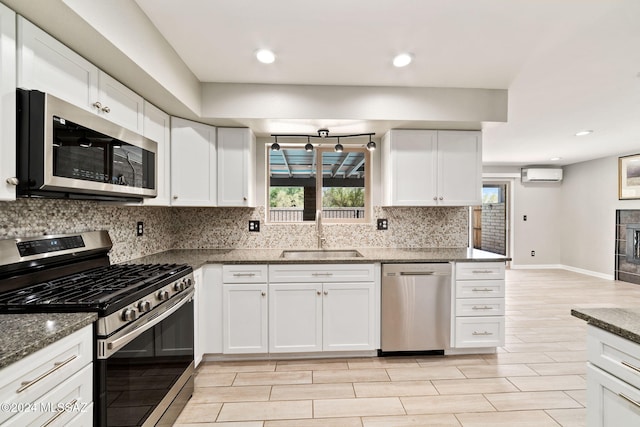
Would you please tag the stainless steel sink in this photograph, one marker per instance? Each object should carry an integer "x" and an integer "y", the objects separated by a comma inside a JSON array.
[{"x": 321, "y": 254}]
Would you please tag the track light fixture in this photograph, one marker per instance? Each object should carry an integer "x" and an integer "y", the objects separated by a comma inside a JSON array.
[{"x": 323, "y": 134}]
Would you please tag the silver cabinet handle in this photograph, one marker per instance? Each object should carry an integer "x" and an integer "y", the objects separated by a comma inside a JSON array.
[
  {"x": 435, "y": 198},
  {"x": 98, "y": 105},
  {"x": 59, "y": 413},
  {"x": 482, "y": 290},
  {"x": 482, "y": 333},
  {"x": 175, "y": 197},
  {"x": 319, "y": 293},
  {"x": 106, "y": 110},
  {"x": 441, "y": 198},
  {"x": 486, "y": 307},
  {"x": 244, "y": 274},
  {"x": 57, "y": 365},
  {"x": 326, "y": 292},
  {"x": 264, "y": 294},
  {"x": 417, "y": 273},
  {"x": 13, "y": 181},
  {"x": 482, "y": 271},
  {"x": 321, "y": 274},
  {"x": 630, "y": 400},
  {"x": 630, "y": 366}
]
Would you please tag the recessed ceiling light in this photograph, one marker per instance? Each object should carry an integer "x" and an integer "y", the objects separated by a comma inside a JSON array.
[
  {"x": 402, "y": 60},
  {"x": 265, "y": 56},
  {"x": 584, "y": 132},
  {"x": 555, "y": 159}
]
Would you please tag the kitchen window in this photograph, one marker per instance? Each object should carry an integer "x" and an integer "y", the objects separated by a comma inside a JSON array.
[{"x": 303, "y": 182}]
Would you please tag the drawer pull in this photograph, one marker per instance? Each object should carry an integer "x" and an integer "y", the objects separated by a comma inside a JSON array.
[
  {"x": 321, "y": 274},
  {"x": 57, "y": 365},
  {"x": 482, "y": 271},
  {"x": 482, "y": 290},
  {"x": 482, "y": 333},
  {"x": 486, "y": 307},
  {"x": 630, "y": 400},
  {"x": 630, "y": 366},
  {"x": 59, "y": 413},
  {"x": 244, "y": 274}
]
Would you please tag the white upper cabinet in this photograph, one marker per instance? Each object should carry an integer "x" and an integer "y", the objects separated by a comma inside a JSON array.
[
  {"x": 193, "y": 163},
  {"x": 432, "y": 168},
  {"x": 7, "y": 103},
  {"x": 47, "y": 65},
  {"x": 236, "y": 167},
  {"x": 157, "y": 127}
]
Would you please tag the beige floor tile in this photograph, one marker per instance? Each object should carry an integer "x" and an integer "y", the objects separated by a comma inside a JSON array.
[
  {"x": 496, "y": 371},
  {"x": 330, "y": 408},
  {"x": 516, "y": 358},
  {"x": 427, "y": 373},
  {"x": 395, "y": 388},
  {"x": 249, "y": 366},
  {"x": 556, "y": 382},
  {"x": 438, "y": 420},
  {"x": 384, "y": 362},
  {"x": 507, "y": 419},
  {"x": 568, "y": 356},
  {"x": 268, "y": 378},
  {"x": 451, "y": 361},
  {"x": 349, "y": 376},
  {"x": 446, "y": 404},
  {"x": 522, "y": 401},
  {"x": 231, "y": 424},
  {"x": 214, "y": 380},
  {"x": 199, "y": 413},
  {"x": 560, "y": 368},
  {"x": 534, "y": 347},
  {"x": 474, "y": 385},
  {"x": 256, "y": 411},
  {"x": 230, "y": 394},
  {"x": 312, "y": 391},
  {"x": 311, "y": 366},
  {"x": 569, "y": 417},
  {"x": 317, "y": 422},
  {"x": 579, "y": 396}
]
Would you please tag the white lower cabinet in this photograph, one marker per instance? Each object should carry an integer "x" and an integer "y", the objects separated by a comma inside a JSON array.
[
  {"x": 479, "y": 305},
  {"x": 312, "y": 308},
  {"x": 209, "y": 309},
  {"x": 244, "y": 323},
  {"x": 61, "y": 373},
  {"x": 613, "y": 380}
]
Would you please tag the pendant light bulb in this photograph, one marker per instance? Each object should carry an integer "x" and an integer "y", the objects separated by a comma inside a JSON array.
[
  {"x": 338, "y": 148},
  {"x": 275, "y": 146},
  {"x": 371, "y": 146},
  {"x": 308, "y": 147}
]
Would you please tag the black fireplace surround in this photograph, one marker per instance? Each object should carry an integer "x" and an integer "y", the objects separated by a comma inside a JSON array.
[{"x": 627, "y": 266}]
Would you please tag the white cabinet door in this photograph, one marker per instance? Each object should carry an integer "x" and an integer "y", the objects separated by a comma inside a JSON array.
[
  {"x": 197, "y": 314},
  {"x": 7, "y": 102},
  {"x": 236, "y": 167},
  {"x": 244, "y": 322},
  {"x": 459, "y": 168},
  {"x": 409, "y": 163},
  {"x": 193, "y": 163},
  {"x": 295, "y": 317},
  {"x": 210, "y": 306},
  {"x": 120, "y": 104},
  {"x": 611, "y": 402},
  {"x": 47, "y": 65},
  {"x": 157, "y": 127},
  {"x": 348, "y": 316}
]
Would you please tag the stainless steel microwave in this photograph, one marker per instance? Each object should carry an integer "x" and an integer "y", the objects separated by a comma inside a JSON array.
[{"x": 64, "y": 151}]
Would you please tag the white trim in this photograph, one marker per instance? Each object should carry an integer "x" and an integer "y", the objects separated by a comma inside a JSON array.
[
  {"x": 562, "y": 267},
  {"x": 491, "y": 175}
]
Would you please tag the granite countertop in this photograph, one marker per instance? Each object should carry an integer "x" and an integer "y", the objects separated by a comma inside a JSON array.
[
  {"x": 23, "y": 334},
  {"x": 624, "y": 322},
  {"x": 199, "y": 257}
]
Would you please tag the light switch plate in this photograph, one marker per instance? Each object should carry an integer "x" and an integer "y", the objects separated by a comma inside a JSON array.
[
  {"x": 383, "y": 224},
  {"x": 254, "y": 225}
]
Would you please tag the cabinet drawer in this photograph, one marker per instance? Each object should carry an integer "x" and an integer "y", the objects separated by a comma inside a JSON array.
[
  {"x": 614, "y": 354},
  {"x": 480, "y": 289},
  {"x": 611, "y": 402},
  {"x": 30, "y": 378},
  {"x": 479, "y": 331},
  {"x": 479, "y": 270},
  {"x": 244, "y": 273},
  {"x": 65, "y": 405},
  {"x": 324, "y": 273},
  {"x": 480, "y": 307}
]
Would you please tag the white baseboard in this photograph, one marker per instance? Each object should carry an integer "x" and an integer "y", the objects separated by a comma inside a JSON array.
[{"x": 562, "y": 267}]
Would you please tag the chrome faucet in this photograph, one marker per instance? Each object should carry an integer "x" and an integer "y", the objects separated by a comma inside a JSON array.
[{"x": 321, "y": 239}]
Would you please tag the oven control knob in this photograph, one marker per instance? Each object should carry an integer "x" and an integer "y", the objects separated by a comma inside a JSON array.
[
  {"x": 128, "y": 314},
  {"x": 163, "y": 295},
  {"x": 144, "y": 306},
  {"x": 178, "y": 286},
  {"x": 188, "y": 282}
]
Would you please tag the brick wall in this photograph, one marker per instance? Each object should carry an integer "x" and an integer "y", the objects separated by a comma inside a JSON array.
[{"x": 493, "y": 228}]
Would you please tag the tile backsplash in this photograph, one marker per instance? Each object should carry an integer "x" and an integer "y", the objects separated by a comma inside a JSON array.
[{"x": 193, "y": 228}]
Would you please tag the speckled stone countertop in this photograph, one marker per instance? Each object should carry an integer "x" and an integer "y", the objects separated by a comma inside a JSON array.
[
  {"x": 624, "y": 322},
  {"x": 198, "y": 257},
  {"x": 23, "y": 334}
]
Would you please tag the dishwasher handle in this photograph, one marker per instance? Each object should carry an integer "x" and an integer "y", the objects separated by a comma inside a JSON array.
[{"x": 417, "y": 273}]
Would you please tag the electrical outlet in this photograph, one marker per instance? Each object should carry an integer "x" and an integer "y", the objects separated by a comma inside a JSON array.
[
  {"x": 383, "y": 224},
  {"x": 533, "y": 253},
  {"x": 254, "y": 225},
  {"x": 524, "y": 217},
  {"x": 139, "y": 228}
]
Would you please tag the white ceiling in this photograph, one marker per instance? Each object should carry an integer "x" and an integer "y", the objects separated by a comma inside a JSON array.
[{"x": 569, "y": 65}]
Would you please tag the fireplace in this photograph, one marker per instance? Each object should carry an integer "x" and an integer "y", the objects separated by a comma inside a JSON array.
[{"x": 627, "y": 266}]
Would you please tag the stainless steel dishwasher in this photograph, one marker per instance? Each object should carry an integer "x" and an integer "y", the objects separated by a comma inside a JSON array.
[{"x": 416, "y": 308}]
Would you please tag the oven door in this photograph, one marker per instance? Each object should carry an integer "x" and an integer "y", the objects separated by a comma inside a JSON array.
[{"x": 144, "y": 373}]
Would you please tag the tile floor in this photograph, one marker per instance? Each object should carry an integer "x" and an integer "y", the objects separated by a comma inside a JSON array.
[{"x": 537, "y": 379}]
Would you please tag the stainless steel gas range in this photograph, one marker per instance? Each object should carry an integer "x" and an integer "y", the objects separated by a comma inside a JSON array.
[{"x": 144, "y": 334}]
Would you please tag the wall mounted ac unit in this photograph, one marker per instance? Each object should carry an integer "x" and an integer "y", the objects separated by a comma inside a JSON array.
[{"x": 541, "y": 175}]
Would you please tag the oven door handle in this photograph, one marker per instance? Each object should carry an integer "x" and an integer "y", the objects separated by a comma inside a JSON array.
[{"x": 113, "y": 346}]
